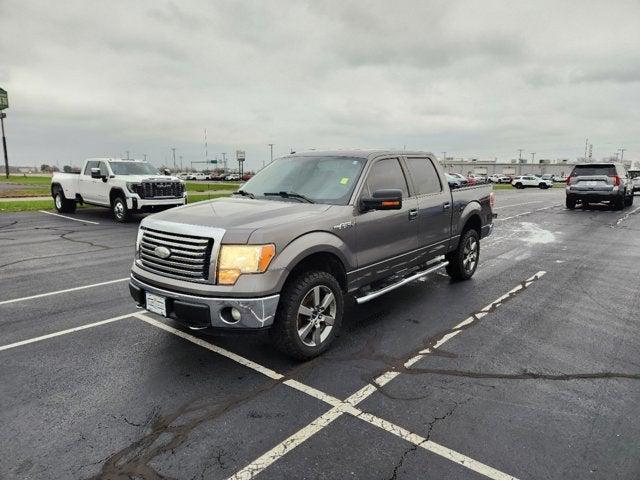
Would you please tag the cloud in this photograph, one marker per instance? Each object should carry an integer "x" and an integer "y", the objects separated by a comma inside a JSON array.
[{"x": 472, "y": 78}]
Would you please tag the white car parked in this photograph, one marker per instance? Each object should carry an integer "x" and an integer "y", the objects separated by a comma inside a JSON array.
[
  {"x": 495, "y": 178},
  {"x": 524, "y": 181}
]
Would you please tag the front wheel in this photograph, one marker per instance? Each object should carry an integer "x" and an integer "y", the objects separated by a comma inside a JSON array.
[
  {"x": 120, "y": 210},
  {"x": 463, "y": 261},
  {"x": 571, "y": 203},
  {"x": 309, "y": 315}
]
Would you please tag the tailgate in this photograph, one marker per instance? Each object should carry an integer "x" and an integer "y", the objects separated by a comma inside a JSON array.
[{"x": 598, "y": 183}]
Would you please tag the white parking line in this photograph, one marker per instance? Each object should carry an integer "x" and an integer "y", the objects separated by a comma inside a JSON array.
[
  {"x": 64, "y": 332},
  {"x": 349, "y": 405},
  {"x": 57, "y": 292},
  {"x": 69, "y": 218},
  {"x": 623, "y": 218},
  {"x": 339, "y": 408},
  {"x": 220, "y": 351},
  {"x": 514, "y": 216}
]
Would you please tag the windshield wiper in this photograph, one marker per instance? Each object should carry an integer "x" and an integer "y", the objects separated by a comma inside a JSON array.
[
  {"x": 244, "y": 193},
  {"x": 295, "y": 195}
]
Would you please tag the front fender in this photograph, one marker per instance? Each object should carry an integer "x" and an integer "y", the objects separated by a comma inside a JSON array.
[{"x": 308, "y": 244}]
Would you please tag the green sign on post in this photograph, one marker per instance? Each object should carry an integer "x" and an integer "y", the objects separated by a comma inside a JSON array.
[
  {"x": 4, "y": 99},
  {"x": 213, "y": 161}
]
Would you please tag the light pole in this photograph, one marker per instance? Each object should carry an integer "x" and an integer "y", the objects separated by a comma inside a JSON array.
[
  {"x": 621, "y": 153},
  {"x": 271, "y": 153},
  {"x": 520, "y": 155},
  {"x": 145, "y": 156},
  {"x": 4, "y": 103},
  {"x": 444, "y": 157},
  {"x": 127, "y": 154},
  {"x": 4, "y": 145},
  {"x": 180, "y": 162},
  {"x": 173, "y": 149},
  {"x": 533, "y": 156}
]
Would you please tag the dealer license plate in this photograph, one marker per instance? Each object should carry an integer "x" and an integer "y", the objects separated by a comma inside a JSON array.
[{"x": 156, "y": 304}]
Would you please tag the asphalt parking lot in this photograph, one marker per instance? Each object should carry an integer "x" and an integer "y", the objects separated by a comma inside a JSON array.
[{"x": 529, "y": 370}]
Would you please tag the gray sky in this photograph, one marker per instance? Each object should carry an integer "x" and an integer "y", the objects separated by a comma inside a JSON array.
[{"x": 474, "y": 78}]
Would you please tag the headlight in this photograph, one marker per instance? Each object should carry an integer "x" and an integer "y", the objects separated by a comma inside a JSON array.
[
  {"x": 133, "y": 187},
  {"x": 235, "y": 260},
  {"x": 138, "y": 241}
]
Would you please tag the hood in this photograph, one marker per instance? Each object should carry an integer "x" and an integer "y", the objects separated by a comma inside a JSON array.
[
  {"x": 243, "y": 214},
  {"x": 140, "y": 178}
]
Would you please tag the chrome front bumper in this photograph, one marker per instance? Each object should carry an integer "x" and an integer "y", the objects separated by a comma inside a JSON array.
[{"x": 198, "y": 312}]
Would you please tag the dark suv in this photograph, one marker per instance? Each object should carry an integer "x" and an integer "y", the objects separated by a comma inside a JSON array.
[{"x": 599, "y": 182}]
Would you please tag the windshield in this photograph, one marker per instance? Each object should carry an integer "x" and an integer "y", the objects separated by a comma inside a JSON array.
[
  {"x": 133, "y": 168},
  {"x": 327, "y": 180},
  {"x": 634, "y": 173}
]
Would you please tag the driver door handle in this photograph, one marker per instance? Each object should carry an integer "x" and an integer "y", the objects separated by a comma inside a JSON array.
[
  {"x": 446, "y": 205},
  {"x": 413, "y": 214}
]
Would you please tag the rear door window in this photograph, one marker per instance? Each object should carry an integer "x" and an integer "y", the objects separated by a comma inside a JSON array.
[
  {"x": 591, "y": 170},
  {"x": 424, "y": 174}
]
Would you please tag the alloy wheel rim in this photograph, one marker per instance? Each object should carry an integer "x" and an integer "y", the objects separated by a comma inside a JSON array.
[
  {"x": 58, "y": 201},
  {"x": 470, "y": 254},
  {"x": 316, "y": 315},
  {"x": 118, "y": 209}
]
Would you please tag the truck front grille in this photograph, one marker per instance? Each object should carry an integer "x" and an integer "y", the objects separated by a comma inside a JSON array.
[
  {"x": 189, "y": 256},
  {"x": 161, "y": 190}
]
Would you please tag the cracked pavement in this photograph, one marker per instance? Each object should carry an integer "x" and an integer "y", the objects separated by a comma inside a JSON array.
[{"x": 545, "y": 386}]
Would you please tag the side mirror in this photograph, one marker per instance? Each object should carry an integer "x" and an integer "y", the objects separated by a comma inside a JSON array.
[
  {"x": 453, "y": 185},
  {"x": 95, "y": 173},
  {"x": 382, "y": 200},
  {"x": 166, "y": 171}
]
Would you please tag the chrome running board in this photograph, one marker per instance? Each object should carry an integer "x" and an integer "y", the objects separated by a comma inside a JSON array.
[{"x": 404, "y": 281}]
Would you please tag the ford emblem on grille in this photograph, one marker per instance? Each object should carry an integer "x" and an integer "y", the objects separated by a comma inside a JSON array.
[{"x": 162, "y": 252}]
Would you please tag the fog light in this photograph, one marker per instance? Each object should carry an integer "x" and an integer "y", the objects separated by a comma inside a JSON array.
[{"x": 235, "y": 314}]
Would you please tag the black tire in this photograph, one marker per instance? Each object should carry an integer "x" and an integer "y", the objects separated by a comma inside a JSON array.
[
  {"x": 120, "y": 211},
  {"x": 543, "y": 186},
  {"x": 570, "y": 203},
  {"x": 62, "y": 204},
  {"x": 519, "y": 185},
  {"x": 619, "y": 202},
  {"x": 629, "y": 200},
  {"x": 461, "y": 266},
  {"x": 285, "y": 332}
]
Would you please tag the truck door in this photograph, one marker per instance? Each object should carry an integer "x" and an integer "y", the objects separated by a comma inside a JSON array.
[
  {"x": 86, "y": 184},
  {"x": 386, "y": 239},
  {"x": 102, "y": 188},
  {"x": 434, "y": 207}
]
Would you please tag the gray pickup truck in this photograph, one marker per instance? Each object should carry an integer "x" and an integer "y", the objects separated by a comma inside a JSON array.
[{"x": 301, "y": 235}]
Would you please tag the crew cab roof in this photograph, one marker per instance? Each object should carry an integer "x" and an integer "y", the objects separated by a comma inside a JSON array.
[{"x": 355, "y": 153}]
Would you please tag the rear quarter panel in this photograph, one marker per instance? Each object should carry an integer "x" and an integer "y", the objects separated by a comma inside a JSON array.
[
  {"x": 466, "y": 202},
  {"x": 68, "y": 182}
]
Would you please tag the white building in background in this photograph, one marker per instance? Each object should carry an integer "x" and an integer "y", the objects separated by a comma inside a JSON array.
[{"x": 557, "y": 166}]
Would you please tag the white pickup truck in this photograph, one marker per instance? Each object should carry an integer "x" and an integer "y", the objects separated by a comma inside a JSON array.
[{"x": 124, "y": 186}]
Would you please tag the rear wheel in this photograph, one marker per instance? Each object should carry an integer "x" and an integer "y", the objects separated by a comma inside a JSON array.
[
  {"x": 464, "y": 260},
  {"x": 619, "y": 202},
  {"x": 629, "y": 200},
  {"x": 543, "y": 186},
  {"x": 120, "y": 210},
  {"x": 571, "y": 203},
  {"x": 309, "y": 315},
  {"x": 519, "y": 185},
  {"x": 62, "y": 204}
]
